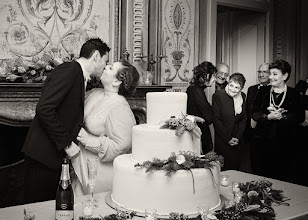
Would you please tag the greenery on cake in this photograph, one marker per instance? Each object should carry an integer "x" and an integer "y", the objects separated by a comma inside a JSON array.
[
  {"x": 185, "y": 160},
  {"x": 182, "y": 123}
]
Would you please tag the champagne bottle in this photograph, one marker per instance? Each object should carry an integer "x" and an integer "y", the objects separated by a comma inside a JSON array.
[{"x": 65, "y": 195}]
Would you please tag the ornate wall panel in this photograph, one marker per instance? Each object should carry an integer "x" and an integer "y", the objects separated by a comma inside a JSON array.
[
  {"x": 30, "y": 28},
  {"x": 178, "y": 40}
]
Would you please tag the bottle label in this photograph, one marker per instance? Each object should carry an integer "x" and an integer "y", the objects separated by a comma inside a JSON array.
[{"x": 64, "y": 215}]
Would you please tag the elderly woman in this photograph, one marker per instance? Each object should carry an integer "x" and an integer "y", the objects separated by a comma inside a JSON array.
[
  {"x": 108, "y": 122},
  {"x": 230, "y": 121},
  {"x": 278, "y": 112},
  {"x": 197, "y": 103}
]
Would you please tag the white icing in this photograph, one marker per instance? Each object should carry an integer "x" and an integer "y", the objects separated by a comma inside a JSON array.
[
  {"x": 163, "y": 214},
  {"x": 162, "y": 105},
  {"x": 150, "y": 142}
]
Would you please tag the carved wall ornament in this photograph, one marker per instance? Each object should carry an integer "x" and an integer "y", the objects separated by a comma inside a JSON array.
[
  {"x": 138, "y": 22},
  {"x": 177, "y": 41},
  {"x": 32, "y": 29},
  {"x": 35, "y": 26}
]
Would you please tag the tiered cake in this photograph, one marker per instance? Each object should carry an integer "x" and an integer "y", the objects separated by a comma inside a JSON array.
[{"x": 136, "y": 190}]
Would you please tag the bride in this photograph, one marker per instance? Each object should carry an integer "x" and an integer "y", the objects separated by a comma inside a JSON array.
[{"x": 108, "y": 121}]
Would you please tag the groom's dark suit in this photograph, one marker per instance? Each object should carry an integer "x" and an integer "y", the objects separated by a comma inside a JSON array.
[
  {"x": 58, "y": 119},
  {"x": 59, "y": 115}
]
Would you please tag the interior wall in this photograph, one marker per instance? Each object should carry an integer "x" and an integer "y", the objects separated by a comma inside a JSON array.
[
  {"x": 244, "y": 56},
  {"x": 303, "y": 46},
  {"x": 241, "y": 41},
  {"x": 290, "y": 36}
]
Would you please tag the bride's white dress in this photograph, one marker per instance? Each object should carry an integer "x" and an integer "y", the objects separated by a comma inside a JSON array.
[{"x": 112, "y": 120}]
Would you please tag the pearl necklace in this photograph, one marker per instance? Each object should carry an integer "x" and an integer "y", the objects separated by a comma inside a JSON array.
[{"x": 272, "y": 101}]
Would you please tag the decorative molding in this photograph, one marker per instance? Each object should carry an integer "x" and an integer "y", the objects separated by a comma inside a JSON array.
[
  {"x": 279, "y": 29},
  {"x": 34, "y": 28},
  {"x": 178, "y": 28},
  {"x": 116, "y": 31},
  {"x": 138, "y": 24}
]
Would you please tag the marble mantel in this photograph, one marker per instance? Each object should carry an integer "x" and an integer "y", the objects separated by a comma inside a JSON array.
[{"x": 18, "y": 102}]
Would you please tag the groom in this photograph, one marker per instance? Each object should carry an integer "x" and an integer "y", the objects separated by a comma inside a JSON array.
[{"x": 59, "y": 117}]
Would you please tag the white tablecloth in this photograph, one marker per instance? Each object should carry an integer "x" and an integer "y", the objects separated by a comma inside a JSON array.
[{"x": 298, "y": 208}]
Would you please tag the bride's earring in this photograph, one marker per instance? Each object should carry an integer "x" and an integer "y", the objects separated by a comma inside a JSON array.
[{"x": 116, "y": 82}]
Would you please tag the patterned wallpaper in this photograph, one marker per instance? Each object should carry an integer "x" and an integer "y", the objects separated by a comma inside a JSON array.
[
  {"x": 178, "y": 42},
  {"x": 30, "y": 28}
]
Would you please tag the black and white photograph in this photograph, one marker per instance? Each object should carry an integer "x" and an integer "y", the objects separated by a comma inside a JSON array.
[{"x": 153, "y": 109}]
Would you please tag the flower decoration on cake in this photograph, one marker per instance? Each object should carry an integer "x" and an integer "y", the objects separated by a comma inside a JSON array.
[
  {"x": 182, "y": 123},
  {"x": 180, "y": 159}
]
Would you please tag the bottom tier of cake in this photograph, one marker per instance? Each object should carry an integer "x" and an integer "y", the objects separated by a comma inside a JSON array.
[{"x": 182, "y": 192}]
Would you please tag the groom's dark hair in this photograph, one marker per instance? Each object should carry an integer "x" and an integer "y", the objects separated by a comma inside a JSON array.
[{"x": 91, "y": 45}]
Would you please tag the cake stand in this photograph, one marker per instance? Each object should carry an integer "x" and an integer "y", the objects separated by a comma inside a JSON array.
[{"x": 115, "y": 206}]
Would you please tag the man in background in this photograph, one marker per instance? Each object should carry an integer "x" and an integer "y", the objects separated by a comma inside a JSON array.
[
  {"x": 221, "y": 76},
  {"x": 256, "y": 153},
  {"x": 58, "y": 120}
]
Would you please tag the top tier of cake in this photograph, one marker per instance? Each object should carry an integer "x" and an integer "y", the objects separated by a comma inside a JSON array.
[{"x": 162, "y": 105}]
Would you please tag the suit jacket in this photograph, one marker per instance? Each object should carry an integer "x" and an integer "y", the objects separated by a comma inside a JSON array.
[
  {"x": 197, "y": 103},
  {"x": 251, "y": 95},
  {"x": 59, "y": 115},
  {"x": 224, "y": 117}
]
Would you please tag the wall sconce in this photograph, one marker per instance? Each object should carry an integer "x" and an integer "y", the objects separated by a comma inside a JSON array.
[
  {"x": 125, "y": 55},
  {"x": 149, "y": 74}
]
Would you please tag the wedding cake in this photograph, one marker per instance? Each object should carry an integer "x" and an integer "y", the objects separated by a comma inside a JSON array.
[{"x": 183, "y": 191}]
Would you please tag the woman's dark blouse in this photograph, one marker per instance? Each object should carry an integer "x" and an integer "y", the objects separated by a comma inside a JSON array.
[
  {"x": 198, "y": 105},
  {"x": 274, "y": 128}
]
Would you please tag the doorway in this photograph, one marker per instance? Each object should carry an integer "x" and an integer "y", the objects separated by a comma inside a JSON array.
[{"x": 241, "y": 40}]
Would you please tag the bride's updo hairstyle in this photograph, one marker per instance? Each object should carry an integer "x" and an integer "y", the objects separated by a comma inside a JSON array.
[
  {"x": 129, "y": 76},
  {"x": 203, "y": 73}
]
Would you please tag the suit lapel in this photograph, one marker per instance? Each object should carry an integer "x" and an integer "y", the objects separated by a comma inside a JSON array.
[{"x": 82, "y": 84}]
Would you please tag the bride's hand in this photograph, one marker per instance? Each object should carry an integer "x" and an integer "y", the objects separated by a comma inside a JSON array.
[
  {"x": 87, "y": 139},
  {"x": 82, "y": 136}
]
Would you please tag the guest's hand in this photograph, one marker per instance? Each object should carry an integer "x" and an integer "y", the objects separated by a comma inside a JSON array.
[
  {"x": 275, "y": 115},
  {"x": 195, "y": 118},
  {"x": 192, "y": 125},
  {"x": 304, "y": 124},
  {"x": 234, "y": 141},
  {"x": 72, "y": 151}
]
